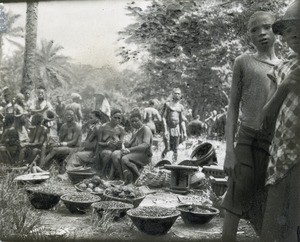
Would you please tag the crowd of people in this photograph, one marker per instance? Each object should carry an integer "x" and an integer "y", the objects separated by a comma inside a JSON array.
[{"x": 35, "y": 130}]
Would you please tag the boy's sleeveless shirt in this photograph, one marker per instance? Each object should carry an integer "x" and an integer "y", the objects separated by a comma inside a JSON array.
[{"x": 256, "y": 88}]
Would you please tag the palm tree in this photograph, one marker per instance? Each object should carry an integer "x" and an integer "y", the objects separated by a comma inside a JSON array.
[
  {"x": 29, "y": 74},
  {"x": 53, "y": 68},
  {"x": 8, "y": 31}
]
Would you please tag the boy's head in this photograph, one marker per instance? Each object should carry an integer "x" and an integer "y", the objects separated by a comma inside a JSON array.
[
  {"x": 289, "y": 26},
  {"x": 260, "y": 30}
]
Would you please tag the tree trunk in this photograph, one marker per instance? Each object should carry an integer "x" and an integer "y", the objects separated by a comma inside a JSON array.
[{"x": 29, "y": 69}]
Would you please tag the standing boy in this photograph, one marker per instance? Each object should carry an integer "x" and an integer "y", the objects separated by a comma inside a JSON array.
[
  {"x": 282, "y": 215},
  {"x": 250, "y": 91}
]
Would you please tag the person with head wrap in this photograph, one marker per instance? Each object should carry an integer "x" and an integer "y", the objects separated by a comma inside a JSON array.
[
  {"x": 138, "y": 152},
  {"x": 110, "y": 138}
]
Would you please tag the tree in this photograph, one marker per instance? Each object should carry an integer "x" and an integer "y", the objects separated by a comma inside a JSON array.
[
  {"x": 29, "y": 68},
  {"x": 8, "y": 30},
  {"x": 53, "y": 69},
  {"x": 191, "y": 45}
]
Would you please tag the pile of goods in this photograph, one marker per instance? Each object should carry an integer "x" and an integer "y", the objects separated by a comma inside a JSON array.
[
  {"x": 127, "y": 192},
  {"x": 94, "y": 185},
  {"x": 197, "y": 209},
  {"x": 80, "y": 198},
  {"x": 152, "y": 212}
]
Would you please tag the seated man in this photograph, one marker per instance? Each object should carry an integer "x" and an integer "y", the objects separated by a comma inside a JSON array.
[
  {"x": 86, "y": 154},
  {"x": 69, "y": 139},
  {"x": 138, "y": 151},
  {"x": 110, "y": 138},
  {"x": 10, "y": 143},
  {"x": 37, "y": 140}
]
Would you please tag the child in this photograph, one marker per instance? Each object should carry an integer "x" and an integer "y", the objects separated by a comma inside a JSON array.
[
  {"x": 282, "y": 216},
  {"x": 244, "y": 164}
]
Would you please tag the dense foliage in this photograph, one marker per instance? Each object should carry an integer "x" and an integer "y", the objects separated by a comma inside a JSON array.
[{"x": 190, "y": 44}]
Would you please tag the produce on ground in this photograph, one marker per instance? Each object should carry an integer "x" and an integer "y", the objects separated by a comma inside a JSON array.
[
  {"x": 128, "y": 192},
  {"x": 94, "y": 184}
]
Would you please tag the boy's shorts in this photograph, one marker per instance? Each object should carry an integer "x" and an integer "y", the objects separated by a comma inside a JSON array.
[{"x": 245, "y": 197}]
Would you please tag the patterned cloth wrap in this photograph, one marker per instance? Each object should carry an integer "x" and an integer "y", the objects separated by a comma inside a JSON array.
[{"x": 285, "y": 146}]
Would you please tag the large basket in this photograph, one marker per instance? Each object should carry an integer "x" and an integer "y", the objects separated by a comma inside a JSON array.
[
  {"x": 152, "y": 224},
  {"x": 205, "y": 154},
  {"x": 78, "y": 176}
]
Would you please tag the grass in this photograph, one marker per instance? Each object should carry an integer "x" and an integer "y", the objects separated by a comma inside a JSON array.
[{"x": 17, "y": 218}]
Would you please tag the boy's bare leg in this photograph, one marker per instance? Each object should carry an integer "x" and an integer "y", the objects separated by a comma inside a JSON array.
[{"x": 230, "y": 226}]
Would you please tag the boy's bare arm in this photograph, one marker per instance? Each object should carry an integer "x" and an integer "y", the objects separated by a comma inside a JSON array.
[{"x": 232, "y": 119}]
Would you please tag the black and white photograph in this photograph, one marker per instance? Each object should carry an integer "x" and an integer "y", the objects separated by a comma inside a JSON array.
[{"x": 150, "y": 120}]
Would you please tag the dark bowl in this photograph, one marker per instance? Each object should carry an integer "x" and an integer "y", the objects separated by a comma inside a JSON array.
[
  {"x": 197, "y": 214},
  {"x": 76, "y": 176},
  {"x": 117, "y": 209},
  {"x": 41, "y": 199},
  {"x": 134, "y": 201},
  {"x": 79, "y": 206},
  {"x": 153, "y": 224}
]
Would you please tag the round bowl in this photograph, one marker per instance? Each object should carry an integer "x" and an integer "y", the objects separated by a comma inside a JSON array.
[
  {"x": 42, "y": 198},
  {"x": 153, "y": 220},
  {"x": 117, "y": 209},
  {"x": 197, "y": 214},
  {"x": 134, "y": 201},
  {"x": 78, "y": 176},
  {"x": 79, "y": 203}
]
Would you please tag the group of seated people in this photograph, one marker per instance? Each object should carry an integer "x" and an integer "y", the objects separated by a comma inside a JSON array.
[
  {"x": 33, "y": 132},
  {"x": 105, "y": 147}
]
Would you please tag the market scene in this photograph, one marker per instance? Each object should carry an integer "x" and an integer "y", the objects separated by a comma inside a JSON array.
[{"x": 186, "y": 128}]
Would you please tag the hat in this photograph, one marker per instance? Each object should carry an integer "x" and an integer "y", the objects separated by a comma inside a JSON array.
[
  {"x": 291, "y": 15},
  {"x": 75, "y": 95},
  {"x": 49, "y": 115}
]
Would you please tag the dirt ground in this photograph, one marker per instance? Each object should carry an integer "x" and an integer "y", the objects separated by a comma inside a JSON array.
[{"x": 59, "y": 224}]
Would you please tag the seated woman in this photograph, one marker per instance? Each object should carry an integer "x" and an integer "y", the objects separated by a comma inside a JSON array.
[
  {"x": 138, "y": 151},
  {"x": 69, "y": 140},
  {"x": 110, "y": 138},
  {"x": 85, "y": 156}
]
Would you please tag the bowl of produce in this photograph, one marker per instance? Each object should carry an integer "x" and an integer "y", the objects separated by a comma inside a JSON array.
[
  {"x": 79, "y": 202},
  {"x": 114, "y": 208},
  {"x": 44, "y": 197},
  {"x": 96, "y": 185},
  {"x": 77, "y": 176},
  {"x": 197, "y": 214},
  {"x": 153, "y": 220},
  {"x": 126, "y": 194}
]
